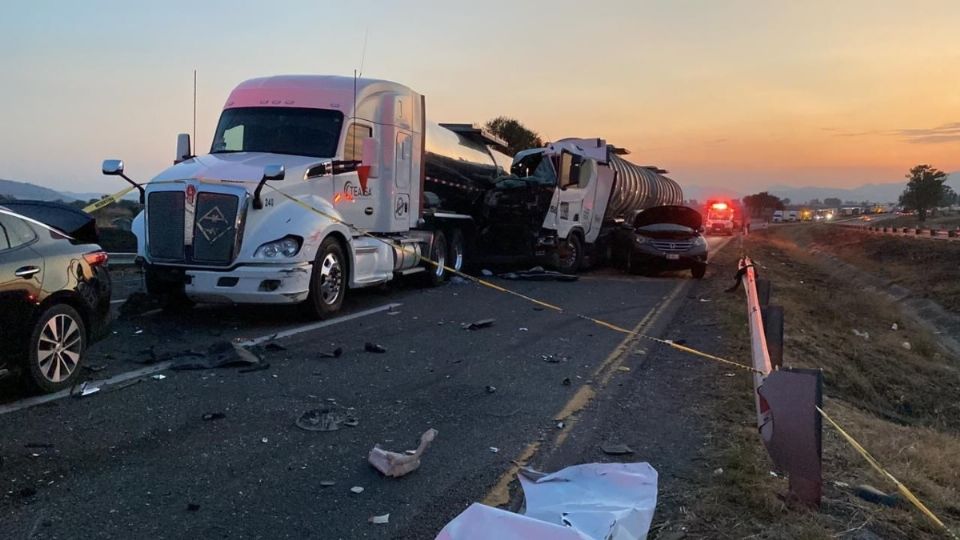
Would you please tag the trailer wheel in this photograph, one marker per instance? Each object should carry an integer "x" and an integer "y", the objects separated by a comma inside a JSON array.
[
  {"x": 570, "y": 254},
  {"x": 456, "y": 250},
  {"x": 437, "y": 273},
  {"x": 328, "y": 281}
]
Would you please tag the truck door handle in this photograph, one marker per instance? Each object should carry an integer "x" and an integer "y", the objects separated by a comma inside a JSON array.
[{"x": 26, "y": 271}]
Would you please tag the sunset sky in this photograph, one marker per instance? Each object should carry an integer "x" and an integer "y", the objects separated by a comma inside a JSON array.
[{"x": 739, "y": 94}]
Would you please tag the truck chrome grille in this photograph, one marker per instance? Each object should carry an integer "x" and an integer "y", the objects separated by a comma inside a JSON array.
[
  {"x": 215, "y": 228},
  {"x": 165, "y": 226},
  {"x": 672, "y": 246}
]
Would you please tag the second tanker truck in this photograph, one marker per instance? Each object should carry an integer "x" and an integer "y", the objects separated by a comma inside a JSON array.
[{"x": 318, "y": 184}]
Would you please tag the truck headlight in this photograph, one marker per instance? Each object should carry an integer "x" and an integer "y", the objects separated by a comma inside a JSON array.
[{"x": 287, "y": 246}]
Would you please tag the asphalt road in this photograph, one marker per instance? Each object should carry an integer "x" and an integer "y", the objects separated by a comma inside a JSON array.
[{"x": 137, "y": 460}]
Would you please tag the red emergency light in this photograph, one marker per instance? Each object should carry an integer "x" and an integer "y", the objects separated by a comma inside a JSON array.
[{"x": 719, "y": 206}]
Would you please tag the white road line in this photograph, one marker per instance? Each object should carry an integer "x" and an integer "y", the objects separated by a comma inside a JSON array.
[
  {"x": 118, "y": 301},
  {"x": 105, "y": 384},
  {"x": 315, "y": 326}
]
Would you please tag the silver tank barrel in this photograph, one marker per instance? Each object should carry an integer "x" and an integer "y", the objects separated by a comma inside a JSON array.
[{"x": 638, "y": 188}]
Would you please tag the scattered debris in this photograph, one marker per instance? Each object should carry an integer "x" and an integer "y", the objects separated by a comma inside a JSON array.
[
  {"x": 208, "y": 417},
  {"x": 221, "y": 354},
  {"x": 138, "y": 332},
  {"x": 374, "y": 348},
  {"x": 329, "y": 418},
  {"x": 193, "y": 507},
  {"x": 616, "y": 449},
  {"x": 874, "y": 495},
  {"x": 906, "y": 345},
  {"x": 704, "y": 299},
  {"x": 597, "y": 501},
  {"x": 380, "y": 520},
  {"x": 486, "y": 273},
  {"x": 86, "y": 389},
  {"x": 718, "y": 471},
  {"x": 158, "y": 377},
  {"x": 396, "y": 465},
  {"x": 623, "y": 368},
  {"x": 264, "y": 440},
  {"x": 356, "y": 489},
  {"x": 94, "y": 368},
  {"x": 537, "y": 273},
  {"x": 457, "y": 280},
  {"x": 494, "y": 449},
  {"x": 560, "y": 425},
  {"x": 565, "y": 381},
  {"x": 491, "y": 389},
  {"x": 327, "y": 483},
  {"x": 894, "y": 326},
  {"x": 864, "y": 335},
  {"x": 335, "y": 354},
  {"x": 273, "y": 346},
  {"x": 477, "y": 325},
  {"x": 524, "y": 329},
  {"x": 552, "y": 359}
]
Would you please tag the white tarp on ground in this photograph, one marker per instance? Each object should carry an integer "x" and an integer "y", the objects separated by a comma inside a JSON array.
[{"x": 599, "y": 501}]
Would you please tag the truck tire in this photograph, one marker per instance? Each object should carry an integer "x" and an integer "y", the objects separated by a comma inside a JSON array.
[
  {"x": 632, "y": 266},
  {"x": 699, "y": 270},
  {"x": 57, "y": 345},
  {"x": 456, "y": 250},
  {"x": 171, "y": 295},
  {"x": 328, "y": 281},
  {"x": 570, "y": 254},
  {"x": 437, "y": 274}
]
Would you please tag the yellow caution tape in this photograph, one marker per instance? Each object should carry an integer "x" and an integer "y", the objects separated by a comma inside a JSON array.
[
  {"x": 904, "y": 490},
  {"x": 107, "y": 201}
]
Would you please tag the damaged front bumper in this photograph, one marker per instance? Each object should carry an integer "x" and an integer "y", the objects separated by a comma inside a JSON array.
[{"x": 250, "y": 284}]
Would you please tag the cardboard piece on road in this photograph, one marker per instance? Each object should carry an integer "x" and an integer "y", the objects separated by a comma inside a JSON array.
[
  {"x": 394, "y": 464},
  {"x": 795, "y": 444},
  {"x": 598, "y": 501}
]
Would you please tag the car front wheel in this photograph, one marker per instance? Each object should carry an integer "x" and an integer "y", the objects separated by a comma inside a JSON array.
[{"x": 57, "y": 345}]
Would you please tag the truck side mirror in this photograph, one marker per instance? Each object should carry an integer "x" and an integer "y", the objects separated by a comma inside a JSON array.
[
  {"x": 113, "y": 167},
  {"x": 183, "y": 148},
  {"x": 370, "y": 156},
  {"x": 271, "y": 173}
]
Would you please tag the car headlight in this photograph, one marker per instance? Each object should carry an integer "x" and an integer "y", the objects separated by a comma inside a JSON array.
[
  {"x": 699, "y": 241},
  {"x": 638, "y": 239},
  {"x": 287, "y": 246}
]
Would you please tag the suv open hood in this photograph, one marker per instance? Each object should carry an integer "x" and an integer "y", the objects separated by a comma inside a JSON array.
[
  {"x": 680, "y": 215},
  {"x": 69, "y": 220}
]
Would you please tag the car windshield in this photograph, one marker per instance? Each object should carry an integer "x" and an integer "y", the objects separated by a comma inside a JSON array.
[{"x": 279, "y": 130}]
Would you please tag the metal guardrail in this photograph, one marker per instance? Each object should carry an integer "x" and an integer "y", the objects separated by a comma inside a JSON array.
[{"x": 909, "y": 232}]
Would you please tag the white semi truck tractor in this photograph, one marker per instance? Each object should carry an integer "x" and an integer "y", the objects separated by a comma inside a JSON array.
[{"x": 313, "y": 185}]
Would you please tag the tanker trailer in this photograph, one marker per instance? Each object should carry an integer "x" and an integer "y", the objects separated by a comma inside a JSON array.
[{"x": 562, "y": 201}]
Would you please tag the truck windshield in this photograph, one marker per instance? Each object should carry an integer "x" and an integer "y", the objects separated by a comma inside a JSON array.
[{"x": 279, "y": 130}]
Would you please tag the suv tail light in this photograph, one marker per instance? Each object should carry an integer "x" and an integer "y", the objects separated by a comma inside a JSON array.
[{"x": 96, "y": 258}]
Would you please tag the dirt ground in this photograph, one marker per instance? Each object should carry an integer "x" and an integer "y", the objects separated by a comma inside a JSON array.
[
  {"x": 902, "y": 404},
  {"x": 948, "y": 221}
]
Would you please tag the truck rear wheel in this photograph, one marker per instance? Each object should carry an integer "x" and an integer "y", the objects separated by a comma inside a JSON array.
[
  {"x": 328, "y": 281},
  {"x": 456, "y": 250},
  {"x": 570, "y": 254},
  {"x": 437, "y": 273}
]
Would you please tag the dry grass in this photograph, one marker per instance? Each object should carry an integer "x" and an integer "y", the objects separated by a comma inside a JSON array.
[
  {"x": 901, "y": 404},
  {"x": 946, "y": 222}
]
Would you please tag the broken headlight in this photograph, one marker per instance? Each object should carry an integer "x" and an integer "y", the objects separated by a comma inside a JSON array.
[{"x": 287, "y": 246}]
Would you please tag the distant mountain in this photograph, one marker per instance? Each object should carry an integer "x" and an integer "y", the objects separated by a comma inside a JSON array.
[
  {"x": 24, "y": 190},
  {"x": 85, "y": 196},
  {"x": 882, "y": 193},
  {"x": 702, "y": 193}
]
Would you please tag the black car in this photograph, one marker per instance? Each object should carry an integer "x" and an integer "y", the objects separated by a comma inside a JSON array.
[
  {"x": 662, "y": 238},
  {"x": 54, "y": 291}
]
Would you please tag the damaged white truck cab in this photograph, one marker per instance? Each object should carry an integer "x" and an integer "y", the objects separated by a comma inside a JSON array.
[{"x": 262, "y": 217}]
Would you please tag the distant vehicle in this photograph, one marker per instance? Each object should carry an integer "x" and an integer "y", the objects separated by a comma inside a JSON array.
[
  {"x": 663, "y": 238},
  {"x": 721, "y": 218},
  {"x": 54, "y": 291},
  {"x": 824, "y": 215},
  {"x": 791, "y": 215},
  {"x": 777, "y": 216}
]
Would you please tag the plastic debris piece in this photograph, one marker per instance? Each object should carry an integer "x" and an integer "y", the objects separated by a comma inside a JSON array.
[
  {"x": 327, "y": 483},
  {"x": 894, "y": 326},
  {"x": 718, "y": 471},
  {"x": 477, "y": 325},
  {"x": 220, "y": 355},
  {"x": 486, "y": 273},
  {"x": 380, "y": 520},
  {"x": 394, "y": 464},
  {"x": 623, "y": 368},
  {"x": 87, "y": 389},
  {"x": 491, "y": 389},
  {"x": 208, "y": 417},
  {"x": 524, "y": 329},
  {"x": 560, "y": 425},
  {"x": 537, "y": 273},
  {"x": 328, "y": 418},
  {"x": 336, "y": 353},
  {"x": 374, "y": 348},
  {"x": 264, "y": 440},
  {"x": 356, "y": 489},
  {"x": 494, "y": 449},
  {"x": 858, "y": 333},
  {"x": 158, "y": 377},
  {"x": 616, "y": 449},
  {"x": 906, "y": 345}
]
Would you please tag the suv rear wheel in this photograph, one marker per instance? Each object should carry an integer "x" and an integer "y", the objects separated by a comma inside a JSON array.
[{"x": 57, "y": 345}]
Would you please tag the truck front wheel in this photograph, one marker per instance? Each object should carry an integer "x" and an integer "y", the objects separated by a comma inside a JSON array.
[
  {"x": 328, "y": 281},
  {"x": 570, "y": 254}
]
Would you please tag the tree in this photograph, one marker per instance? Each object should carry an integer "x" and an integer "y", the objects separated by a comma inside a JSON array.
[
  {"x": 814, "y": 203},
  {"x": 762, "y": 204},
  {"x": 786, "y": 201},
  {"x": 832, "y": 202},
  {"x": 518, "y": 136},
  {"x": 925, "y": 190}
]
